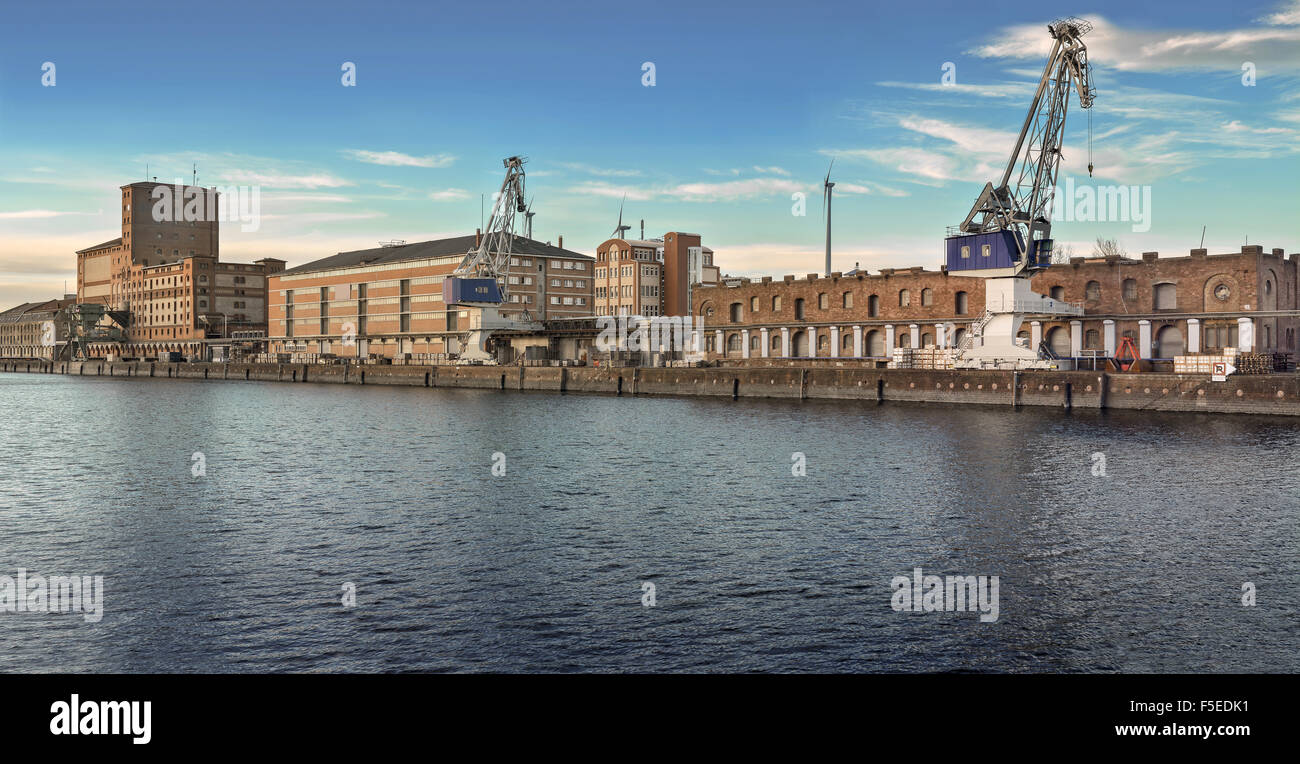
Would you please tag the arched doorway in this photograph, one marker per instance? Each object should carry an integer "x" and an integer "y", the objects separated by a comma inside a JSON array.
[
  {"x": 799, "y": 344},
  {"x": 1169, "y": 343},
  {"x": 875, "y": 343},
  {"x": 1058, "y": 339}
]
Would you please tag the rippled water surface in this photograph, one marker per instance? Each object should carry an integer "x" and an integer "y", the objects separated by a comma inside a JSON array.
[{"x": 309, "y": 487}]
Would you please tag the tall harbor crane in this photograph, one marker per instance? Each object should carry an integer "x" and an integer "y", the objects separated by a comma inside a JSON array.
[
  {"x": 1006, "y": 237},
  {"x": 481, "y": 280}
]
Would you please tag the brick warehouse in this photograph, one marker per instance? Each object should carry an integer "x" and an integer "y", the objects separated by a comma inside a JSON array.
[
  {"x": 1169, "y": 306},
  {"x": 169, "y": 277},
  {"x": 387, "y": 301}
]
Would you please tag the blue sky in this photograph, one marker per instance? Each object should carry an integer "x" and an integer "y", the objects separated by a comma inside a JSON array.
[{"x": 750, "y": 104}]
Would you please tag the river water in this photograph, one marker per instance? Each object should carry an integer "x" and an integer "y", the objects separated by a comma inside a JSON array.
[{"x": 310, "y": 492}]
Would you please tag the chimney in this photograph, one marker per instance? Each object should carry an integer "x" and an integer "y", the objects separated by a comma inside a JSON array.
[
  {"x": 561, "y": 244},
  {"x": 478, "y": 237}
]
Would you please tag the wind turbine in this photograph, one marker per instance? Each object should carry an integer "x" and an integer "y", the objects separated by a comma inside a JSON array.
[
  {"x": 827, "y": 185},
  {"x": 620, "y": 228},
  {"x": 528, "y": 218}
]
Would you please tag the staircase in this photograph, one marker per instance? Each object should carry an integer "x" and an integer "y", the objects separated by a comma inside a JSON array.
[{"x": 976, "y": 329}]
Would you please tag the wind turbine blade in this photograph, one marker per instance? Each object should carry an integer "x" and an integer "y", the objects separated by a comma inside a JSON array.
[{"x": 828, "y": 171}]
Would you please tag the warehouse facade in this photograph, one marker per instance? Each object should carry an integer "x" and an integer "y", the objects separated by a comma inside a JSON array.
[
  {"x": 1168, "y": 306},
  {"x": 387, "y": 301}
]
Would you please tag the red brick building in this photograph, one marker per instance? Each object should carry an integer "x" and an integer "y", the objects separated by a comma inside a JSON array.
[{"x": 1168, "y": 305}]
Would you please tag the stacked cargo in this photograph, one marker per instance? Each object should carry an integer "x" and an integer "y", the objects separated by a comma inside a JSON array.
[
  {"x": 1254, "y": 363},
  {"x": 923, "y": 358},
  {"x": 1203, "y": 363}
]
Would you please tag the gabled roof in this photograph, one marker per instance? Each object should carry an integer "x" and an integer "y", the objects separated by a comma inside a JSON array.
[
  {"x": 109, "y": 243},
  {"x": 422, "y": 250}
]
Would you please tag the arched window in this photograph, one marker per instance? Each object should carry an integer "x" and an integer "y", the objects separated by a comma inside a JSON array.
[
  {"x": 753, "y": 305},
  {"x": 1130, "y": 292},
  {"x": 776, "y": 304},
  {"x": 823, "y": 341},
  {"x": 874, "y": 343},
  {"x": 754, "y": 342},
  {"x": 959, "y": 303},
  {"x": 846, "y": 300},
  {"x": 904, "y": 340},
  {"x": 823, "y": 301},
  {"x": 846, "y": 341},
  {"x": 775, "y": 342},
  {"x": 733, "y": 343},
  {"x": 927, "y": 340},
  {"x": 873, "y": 306},
  {"x": 1092, "y": 292},
  {"x": 1058, "y": 293},
  {"x": 927, "y": 297},
  {"x": 798, "y": 308},
  {"x": 1165, "y": 297},
  {"x": 1092, "y": 339},
  {"x": 904, "y": 298}
]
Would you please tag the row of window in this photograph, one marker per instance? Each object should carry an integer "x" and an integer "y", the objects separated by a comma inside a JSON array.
[{"x": 960, "y": 304}]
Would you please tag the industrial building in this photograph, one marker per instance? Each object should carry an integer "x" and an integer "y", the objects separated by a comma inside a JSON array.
[
  {"x": 30, "y": 330},
  {"x": 387, "y": 302},
  {"x": 1168, "y": 306},
  {"x": 168, "y": 278},
  {"x": 651, "y": 277}
]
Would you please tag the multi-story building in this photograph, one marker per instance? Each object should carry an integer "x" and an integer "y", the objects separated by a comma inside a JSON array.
[
  {"x": 651, "y": 277},
  {"x": 31, "y": 330},
  {"x": 387, "y": 301},
  {"x": 168, "y": 276},
  {"x": 1168, "y": 306}
]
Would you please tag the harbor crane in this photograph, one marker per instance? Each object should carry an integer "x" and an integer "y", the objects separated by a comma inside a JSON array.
[
  {"x": 481, "y": 280},
  {"x": 1006, "y": 238}
]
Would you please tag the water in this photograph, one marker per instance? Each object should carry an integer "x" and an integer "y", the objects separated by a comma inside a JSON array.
[{"x": 309, "y": 487}]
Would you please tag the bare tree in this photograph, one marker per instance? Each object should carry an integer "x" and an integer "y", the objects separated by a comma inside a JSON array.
[
  {"x": 1062, "y": 254},
  {"x": 1108, "y": 247}
]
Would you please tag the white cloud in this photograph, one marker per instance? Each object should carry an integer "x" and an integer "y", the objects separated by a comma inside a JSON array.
[
  {"x": 1156, "y": 50},
  {"x": 601, "y": 188},
  {"x": 37, "y": 214},
  {"x": 735, "y": 189},
  {"x": 449, "y": 195},
  {"x": 1000, "y": 90},
  {"x": 1288, "y": 15},
  {"x": 274, "y": 180},
  {"x": 593, "y": 170},
  {"x": 398, "y": 159},
  {"x": 772, "y": 170}
]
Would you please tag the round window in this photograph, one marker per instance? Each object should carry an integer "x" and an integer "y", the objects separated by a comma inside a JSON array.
[{"x": 1223, "y": 292}]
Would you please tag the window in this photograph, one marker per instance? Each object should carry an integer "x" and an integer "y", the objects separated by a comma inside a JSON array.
[
  {"x": 1092, "y": 292},
  {"x": 823, "y": 301},
  {"x": 986, "y": 250},
  {"x": 1165, "y": 297},
  {"x": 927, "y": 297},
  {"x": 734, "y": 313},
  {"x": 733, "y": 343},
  {"x": 775, "y": 342},
  {"x": 823, "y": 341},
  {"x": 873, "y": 306},
  {"x": 1092, "y": 339},
  {"x": 959, "y": 303},
  {"x": 1130, "y": 290},
  {"x": 846, "y": 341},
  {"x": 798, "y": 308},
  {"x": 1058, "y": 293},
  {"x": 965, "y": 252},
  {"x": 846, "y": 300},
  {"x": 753, "y": 305},
  {"x": 776, "y": 303},
  {"x": 904, "y": 298},
  {"x": 753, "y": 343}
]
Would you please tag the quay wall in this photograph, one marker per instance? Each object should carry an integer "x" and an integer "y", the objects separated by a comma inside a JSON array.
[{"x": 1275, "y": 394}]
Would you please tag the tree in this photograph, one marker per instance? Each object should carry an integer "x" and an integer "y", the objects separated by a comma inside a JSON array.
[
  {"x": 1108, "y": 247},
  {"x": 1062, "y": 254}
]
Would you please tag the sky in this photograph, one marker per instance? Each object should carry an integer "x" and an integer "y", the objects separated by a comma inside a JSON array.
[{"x": 1197, "y": 105}]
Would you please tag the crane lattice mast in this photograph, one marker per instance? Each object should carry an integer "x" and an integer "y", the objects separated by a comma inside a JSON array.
[{"x": 491, "y": 257}]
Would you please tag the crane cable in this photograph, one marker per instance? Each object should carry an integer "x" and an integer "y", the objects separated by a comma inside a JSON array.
[{"x": 1089, "y": 143}]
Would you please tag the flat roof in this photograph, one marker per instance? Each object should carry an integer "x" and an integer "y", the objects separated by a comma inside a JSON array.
[{"x": 422, "y": 250}]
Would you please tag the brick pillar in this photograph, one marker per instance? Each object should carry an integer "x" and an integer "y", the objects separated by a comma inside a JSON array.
[
  {"x": 1246, "y": 335},
  {"x": 1108, "y": 330},
  {"x": 1193, "y": 335},
  {"x": 1144, "y": 338},
  {"x": 785, "y": 342},
  {"x": 763, "y": 341},
  {"x": 744, "y": 343},
  {"x": 835, "y": 342},
  {"x": 1076, "y": 338},
  {"x": 857, "y": 341}
]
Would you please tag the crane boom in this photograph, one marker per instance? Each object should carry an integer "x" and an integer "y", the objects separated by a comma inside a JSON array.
[
  {"x": 490, "y": 258},
  {"x": 1021, "y": 204}
]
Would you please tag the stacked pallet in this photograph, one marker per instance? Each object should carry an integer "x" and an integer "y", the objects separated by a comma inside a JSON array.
[
  {"x": 1254, "y": 363},
  {"x": 1196, "y": 364},
  {"x": 922, "y": 358}
]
